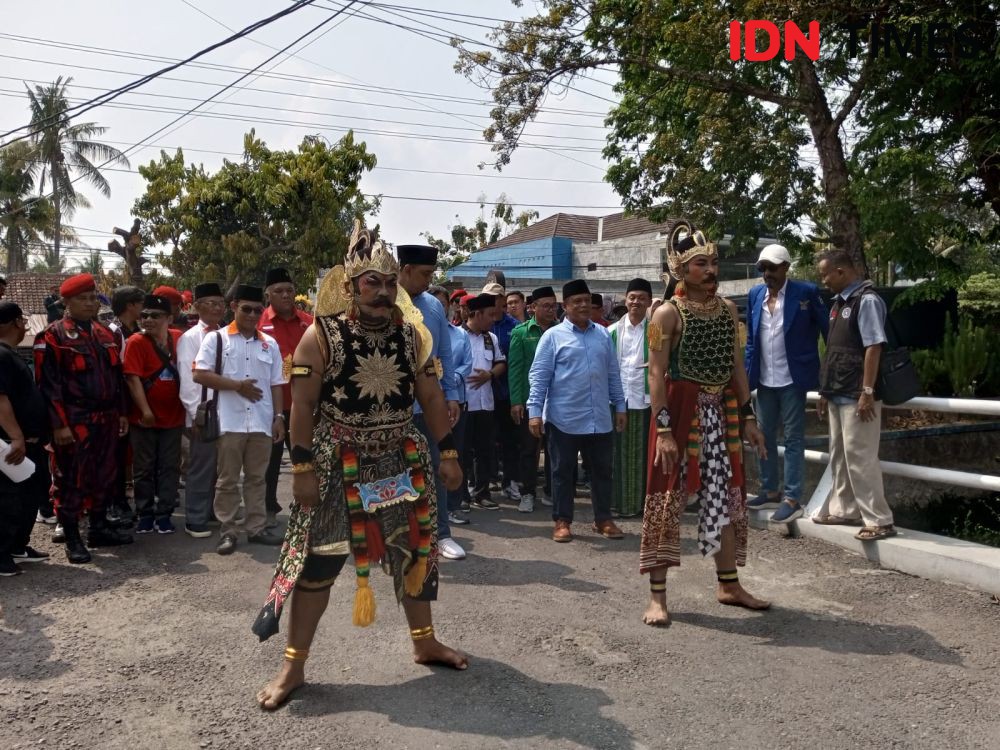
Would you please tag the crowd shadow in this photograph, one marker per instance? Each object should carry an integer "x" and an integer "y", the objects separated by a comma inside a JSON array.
[
  {"x": 503, "y": 572},
  {"x": 559, "y": 711},
  {"x": 27, "y": 648},
  {"x": 784, "y": 627}
]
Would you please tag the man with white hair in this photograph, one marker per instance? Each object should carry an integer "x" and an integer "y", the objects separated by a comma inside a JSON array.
[{"x": 785, "y": 319}]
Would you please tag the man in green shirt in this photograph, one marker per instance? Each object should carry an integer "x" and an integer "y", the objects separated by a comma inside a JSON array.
[{"x": 523, "y": 342}]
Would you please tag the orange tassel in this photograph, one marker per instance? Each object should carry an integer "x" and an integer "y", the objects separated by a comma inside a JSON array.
[
  {"x": 364, "y": 604},
  {"x": 414, "y": 580}
]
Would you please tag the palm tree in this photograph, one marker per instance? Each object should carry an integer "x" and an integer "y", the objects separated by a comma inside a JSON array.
[
  {"x": 24, "y": 220},
  {"x": 62, "y": 148}
]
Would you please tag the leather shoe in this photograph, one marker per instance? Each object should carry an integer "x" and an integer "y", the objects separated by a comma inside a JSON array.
[
  {"x": 562, "y": 532},
  {"x": 266, "y": 537},
  {"x": 608, "y": 529},
  {"x": 76, "y": 552},
  {"x": 227, "y": 545}
]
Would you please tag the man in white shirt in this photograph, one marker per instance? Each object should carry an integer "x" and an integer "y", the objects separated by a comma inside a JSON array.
[
  {"x": 632, "y": 350},
  {"x": 250, "y": 416},
  {"x": 199, "y": 486},
  {"x": 488, "y": 362}
]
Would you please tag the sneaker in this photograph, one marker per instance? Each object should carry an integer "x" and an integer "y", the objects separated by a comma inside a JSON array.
[
  {"x": 267, "y": 537},
  {"x": 527, "y": 504},
  {"x": 197, "y": 530},
  {"x": 272, "y": 521},
  {"x": 764, "y": 501},
  {"x": 30, "y": 555},
  {"x": 465, "y": 507},
  {"x": 59, "y": 534},
  {"x": 145, "y": 525},
  {"x": 546, "y": 500},
  {"x": 495, "y": 486},
  {"x": 484, "y": 503},
  {"x": 457, "y": 520},
  {"x": 513, "y": 492},
  {"x": 450, "y": 549},
  {"x": 8, "y": 567},
  {"x": 227, "y": 545},
  {"x": 787, "y": 512},
  {"x": 50, "y": 520}
]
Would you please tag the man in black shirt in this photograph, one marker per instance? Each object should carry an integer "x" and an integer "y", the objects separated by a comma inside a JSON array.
[
  {"x": 54, "y": 307},
  {"x": 24, "y": 426}
]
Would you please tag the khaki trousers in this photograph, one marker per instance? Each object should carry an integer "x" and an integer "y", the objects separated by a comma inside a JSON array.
[
  {"x": 247, "y": 453},
  {"x": 857, "y": 476}
]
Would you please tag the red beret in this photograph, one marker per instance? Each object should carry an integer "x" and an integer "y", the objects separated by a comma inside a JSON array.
[
  {"x": 457, "y": 294},
  {"x": 466, "y": 298},
  {"x": 187, "y": 297},
  {"x": 74, "y": 285},
  {"x": 169, "y": 293}
]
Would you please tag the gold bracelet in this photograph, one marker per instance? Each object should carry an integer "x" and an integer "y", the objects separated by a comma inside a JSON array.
[
  {"x": 303, "y": 468},
  {"x": 450, "y": 453},
  {"x": 419, "y": 634},
  {"x": 663, "y": 431},
  {"x": 296, "y": 654}
]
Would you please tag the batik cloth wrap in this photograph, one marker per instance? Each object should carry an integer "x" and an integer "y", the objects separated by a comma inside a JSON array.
[
  {"x": 630, "y": 464},
  {"x": 364, "y": 442},
  {"x": 704, "y": 420}
]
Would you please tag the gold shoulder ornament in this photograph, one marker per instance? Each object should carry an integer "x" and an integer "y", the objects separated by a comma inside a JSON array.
[{"x": 654, "y": 336}]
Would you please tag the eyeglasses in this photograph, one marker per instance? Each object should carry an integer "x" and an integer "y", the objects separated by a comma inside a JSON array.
[
  {"x": 762, "y": 267},
  {"x": 151, "y": 315},
  {"x": 251, "y": 310}
]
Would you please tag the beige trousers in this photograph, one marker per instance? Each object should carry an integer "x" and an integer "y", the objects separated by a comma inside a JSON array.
[
  {"x": 857, "y": 476},
  {"x": 249, "y": 454}
]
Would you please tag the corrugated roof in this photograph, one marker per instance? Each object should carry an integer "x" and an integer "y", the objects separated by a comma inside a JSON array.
[
  {"x": 29, "y": 290},
  {"x": 580, "y": 228}
]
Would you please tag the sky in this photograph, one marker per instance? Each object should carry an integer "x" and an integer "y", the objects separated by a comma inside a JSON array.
[{"x": 363, "y": 74}]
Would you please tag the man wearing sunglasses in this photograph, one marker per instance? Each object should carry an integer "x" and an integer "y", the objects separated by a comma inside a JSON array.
[
  {"x": 785, "y": 319},
  {"x": 156, "y": 416},
  {"x": 250, "y": 415}
]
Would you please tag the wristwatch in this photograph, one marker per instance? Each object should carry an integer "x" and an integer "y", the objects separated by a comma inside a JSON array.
[{"x": 868, "y": 390}]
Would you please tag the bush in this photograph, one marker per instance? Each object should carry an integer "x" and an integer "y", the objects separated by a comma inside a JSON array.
[{"x": 979, "y": 297}]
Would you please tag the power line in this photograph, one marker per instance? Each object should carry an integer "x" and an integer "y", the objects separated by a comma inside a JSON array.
[{"x": 114, "y": 93}]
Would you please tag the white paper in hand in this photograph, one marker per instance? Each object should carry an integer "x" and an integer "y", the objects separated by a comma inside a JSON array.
[{"x": 18, "y": 472}]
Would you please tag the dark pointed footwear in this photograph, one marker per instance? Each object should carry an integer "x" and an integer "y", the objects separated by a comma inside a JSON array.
[{"x": 76, "y": 552}]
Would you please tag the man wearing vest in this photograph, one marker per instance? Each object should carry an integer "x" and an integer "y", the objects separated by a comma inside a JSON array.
[
  {"x": 632, "y": 351},
  {"x": 523, "y": 343},
  {"x": 847, "y": 387},
  {"x": 785, "y": 319}
]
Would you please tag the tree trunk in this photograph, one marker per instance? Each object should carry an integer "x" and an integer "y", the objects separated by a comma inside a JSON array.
[
  {"x": 57, "y": 207},
  {"x": 845, "y": 219}
]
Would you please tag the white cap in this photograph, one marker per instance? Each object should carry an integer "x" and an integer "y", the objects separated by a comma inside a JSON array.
[
  {"x": 493, "y": 288},
  {"x": 776, "y": 254}
]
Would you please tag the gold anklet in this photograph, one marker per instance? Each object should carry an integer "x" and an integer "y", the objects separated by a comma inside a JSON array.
[
  {"x": 419, "y": 634},
  {"x": 296, "y": 654},
  {"x": 657, "y": 587}
]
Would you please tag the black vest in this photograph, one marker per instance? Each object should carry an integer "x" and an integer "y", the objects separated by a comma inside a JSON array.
[{"x": 843, "y": 369}]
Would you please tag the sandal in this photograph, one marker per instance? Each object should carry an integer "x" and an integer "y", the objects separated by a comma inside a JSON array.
[
  {"x": 828, "y": 520},
  {"x": 874, "y": 533}
]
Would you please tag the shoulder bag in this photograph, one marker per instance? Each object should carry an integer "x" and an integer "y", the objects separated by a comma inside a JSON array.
[{"x": 206, "y": 416}]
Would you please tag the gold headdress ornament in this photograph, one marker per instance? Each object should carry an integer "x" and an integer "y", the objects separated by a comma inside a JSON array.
[
  {"x": 366, "y": 252},
  {"x": 683, "y": 244}
]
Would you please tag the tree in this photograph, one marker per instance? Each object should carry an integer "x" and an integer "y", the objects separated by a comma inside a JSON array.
[
  {"x": 92, "y": 264},
  {"x": 287, "y": 208},
  {"x": 697, "y": 133},
  {"x": 468, "y": 238},
  {"x": 62, "y": 149},
  {"x": 24, "y": 219}
]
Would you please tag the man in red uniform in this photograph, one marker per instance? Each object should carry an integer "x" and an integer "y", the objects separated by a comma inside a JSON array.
[
  {"x": 156, "y": 416},
  {"x": 79, "y": 371},
  {"x": 286, "y": 323},
  {"x": 178, "y": 320}
]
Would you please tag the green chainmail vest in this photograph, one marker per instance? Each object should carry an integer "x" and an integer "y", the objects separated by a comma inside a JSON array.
[{"x": 705, "y": 352}]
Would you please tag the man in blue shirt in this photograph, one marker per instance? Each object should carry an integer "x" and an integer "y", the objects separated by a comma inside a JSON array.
[
  {"x": 574, "y": 384},
  {"x": 417, "y": 264}
]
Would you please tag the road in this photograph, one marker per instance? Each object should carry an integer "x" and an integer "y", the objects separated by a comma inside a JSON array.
[{"x": 151, "y": 648}]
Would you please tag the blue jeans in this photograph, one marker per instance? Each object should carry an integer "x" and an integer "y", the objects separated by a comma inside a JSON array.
[
  {"x": 598, "y": 451},
  {"x": 444, "y": 529},
  {"x": 777, "y": 409}
]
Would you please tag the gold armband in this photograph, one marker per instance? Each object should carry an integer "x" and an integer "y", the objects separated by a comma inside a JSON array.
[
  {"x": 303, "y": 468},
  {"x": 654, "y": 337},
  {"x": 449, "y": 454},
  {"x": 301, "y": 371}
]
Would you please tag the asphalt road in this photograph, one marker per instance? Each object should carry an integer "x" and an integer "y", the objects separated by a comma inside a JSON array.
[{"x": 150, "y": 648}]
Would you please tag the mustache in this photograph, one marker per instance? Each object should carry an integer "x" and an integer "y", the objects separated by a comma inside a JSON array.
[{"x": 382, "y": 302}]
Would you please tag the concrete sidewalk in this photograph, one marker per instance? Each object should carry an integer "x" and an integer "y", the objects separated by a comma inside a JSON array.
[{"x": 151, "y": 647}]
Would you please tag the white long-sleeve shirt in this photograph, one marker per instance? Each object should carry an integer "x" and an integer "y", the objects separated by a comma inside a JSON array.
[{"x": 188, "y": 346}]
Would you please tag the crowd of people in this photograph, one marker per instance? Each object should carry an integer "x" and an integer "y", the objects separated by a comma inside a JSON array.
[{"x": 414, "y": 408}]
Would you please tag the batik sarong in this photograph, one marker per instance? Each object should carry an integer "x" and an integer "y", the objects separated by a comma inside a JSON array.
[{"x": 630, "y": 465}]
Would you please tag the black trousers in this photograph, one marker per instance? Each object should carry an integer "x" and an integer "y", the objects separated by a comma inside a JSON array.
[
  {"x": 274, "y": 470},
  {"x": 156, "y": 468},
  {"x": 508, "y": 440},
  {"x": 530, "y": 449},
  {"x": 598, "y": 451},
  {"x": 479, "y": 449},
  {"x": 19, "y": 502},
  {"x": 456, "y": 497}
]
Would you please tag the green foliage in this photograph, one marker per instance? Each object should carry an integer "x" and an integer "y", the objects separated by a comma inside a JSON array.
[
  {"x": 972, "y": 530},
  {"x": 966, "y": 364},
  {"x": 932, "y": 371},
  {"x": 274, "y": 208},
  {"x": 24, "y": 218},
  {"x": 979, "y": 296}
]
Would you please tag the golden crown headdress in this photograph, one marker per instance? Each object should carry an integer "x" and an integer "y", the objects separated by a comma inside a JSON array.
[
  {"x": 366, "y": 252},
  {"x": 683, "y": 244}
]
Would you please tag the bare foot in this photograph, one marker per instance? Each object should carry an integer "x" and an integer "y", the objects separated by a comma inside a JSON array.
[
  {"x": 277, "y": 691},
  {"x": 735, "y": 595},
  {"x": 431, "y": 651},
  {"x": 656, "y": 613}
]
